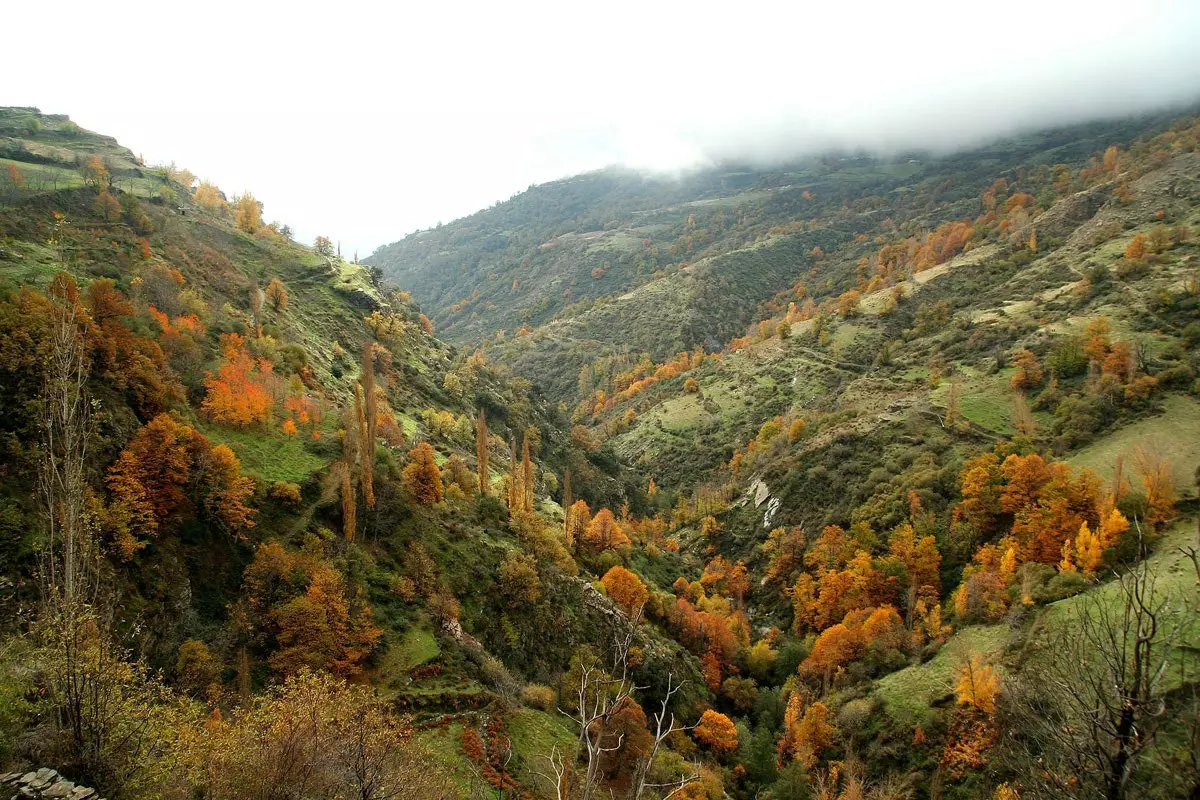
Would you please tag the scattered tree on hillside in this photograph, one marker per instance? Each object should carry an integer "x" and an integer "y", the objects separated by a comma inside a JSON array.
[
  {"x": 481, "y": 455},
  {"x": 277, "y": 294},
  {"x": 1028, "y": 373},
  {"x": 422, "y": 478},
  {"x": 625, "y": 588},
  {"x": 323, "y": 247},
  {"x": 369, "y": 420},
  {"x": 238, "y": 394},
  {"x": 95, "y": 174},
  {"x": 247, "y": 213}
]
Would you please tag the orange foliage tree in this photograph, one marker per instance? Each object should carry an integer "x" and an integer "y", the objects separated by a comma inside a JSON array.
[
  {"x": 422, "y": 477},
  {"x": 716, "y": 732},
  {"x": 277, "y": 294},
  {"x": 625, "y": 588},
  {"x": 238, "y": 395},
  {"x": 167, "y": 474}
]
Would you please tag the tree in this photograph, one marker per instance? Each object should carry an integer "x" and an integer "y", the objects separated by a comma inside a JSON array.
[
  {"x": 349, "y": 505},
  {"x": 977, "y": 684},
  {"x": 237, "y": 396},
  {"x": 368, "y": 421},
  {"x": 95, "y": 174},
  {"x": 67, "y": 565},
  {"x": 1088, "y": 551},
  {"x": 603, "y": 532},
  {"x": 108, "y": 208},
  {"x": 716, "y": 732},
  {"x": 197, "y": 670},
  {"x": 691, "y": 386},
  {"x": 814, "y": 735},
  {"x": 247, "y": 213},
  {"x": 422, "y": 478},
  {"x": 165, "y": 474},
  {"x": 209, "y": 197},
  {"x": 625, "y": 588},
  {"x": 16, "y": 177},
  {"x": 1137, "y": 248},
  {"x": 323, "y": 247},
  {"x": 578, "y": 521},
  {"x": 481, "y": 455},
  {"x": 526, "y": 474},
  {"x": 277, "y": 294},
  {"x": 519, "y": 583},
  {"x": 1028, "y": 373},
  {"x": 1090, "y": 707},
  {"x": 796, "y": 430}
]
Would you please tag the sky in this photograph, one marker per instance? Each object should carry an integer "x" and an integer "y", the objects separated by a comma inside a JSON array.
[{"x": 364, "y": 121}]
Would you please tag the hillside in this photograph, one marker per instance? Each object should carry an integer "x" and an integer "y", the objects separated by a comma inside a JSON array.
[
  {"x": 616, "y": 263},
  {"x": 856, "y": 477}
]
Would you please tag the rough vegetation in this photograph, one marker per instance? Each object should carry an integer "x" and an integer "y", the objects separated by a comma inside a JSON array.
[{"x": 851, "y": 478}]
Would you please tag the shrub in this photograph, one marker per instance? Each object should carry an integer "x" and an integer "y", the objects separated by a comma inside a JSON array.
[
  {"x": 539, "y": 696},
  {"x": 285, "y": 492}
]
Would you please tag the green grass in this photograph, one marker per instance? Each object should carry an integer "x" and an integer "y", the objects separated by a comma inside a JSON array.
[
  {"x": 1174, "y": 578},
  {"x": 445, "y": 752},
  {"x": 416, "y": 648},
  {"x": 985, "y": 400},
  {"x": 270, "y": 457},
  {"x": 534, "y": 734},
  {"x": 1174, "y": 434},
  {"x": 910, "y": 693}
]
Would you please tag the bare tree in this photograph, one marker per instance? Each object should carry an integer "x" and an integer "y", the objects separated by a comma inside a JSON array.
[
  {"x": 599, "y": 696},
  {"x": 664, "y": 726},
  {"x": 1089, "y": 707},
  {"x": 68, "y": 553}
]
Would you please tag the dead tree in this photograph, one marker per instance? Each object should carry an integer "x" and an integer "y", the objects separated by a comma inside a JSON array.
[{"x": 1090, "y": 706}]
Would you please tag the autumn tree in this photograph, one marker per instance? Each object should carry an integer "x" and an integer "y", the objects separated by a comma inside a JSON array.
[
  {"x": 95, "y": 173},
  {"x": 603, "y": 532},
  {"x": 238, "y": 394},
  {"x": 578, "y": 521},
  {"x": 716, "y": 732},
  {"x": 422, "y": 478},
  {"x": 1028, "y": 373},
  {"x": 1137, "y": 248},
  {"x": 625, "y": 588},
  {"x": 323, "y": 247},
  {"x": 368, "y": 421},
  {"x": 481, "y": 454},
  {"x": 247, "y": 213},
  {"x": 977, "y": 684},
  {"x": 526, "y": 474},
  {"x": 167, "y": 474},
  {"x": 209, "y": 197},
  {"x": 277, "y": 294}
]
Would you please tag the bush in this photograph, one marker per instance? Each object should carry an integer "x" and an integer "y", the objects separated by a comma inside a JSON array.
[
  {"x": 286, "y": 493},
  {"x": 1062, "y": 585},
  {"x": 539, "y": 696}
]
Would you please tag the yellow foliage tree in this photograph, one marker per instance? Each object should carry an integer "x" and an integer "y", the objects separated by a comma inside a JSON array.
[
  {"x": 247, "y": 213},
  {"x": 978, "y": 684}
]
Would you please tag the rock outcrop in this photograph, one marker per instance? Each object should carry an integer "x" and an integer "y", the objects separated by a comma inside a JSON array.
[{"x": 43, "y": 783}]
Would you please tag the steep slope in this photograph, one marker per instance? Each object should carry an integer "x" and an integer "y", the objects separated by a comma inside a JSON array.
[
  {"x": 249, "y": 522},
  {"x": 613, "y": 262}
]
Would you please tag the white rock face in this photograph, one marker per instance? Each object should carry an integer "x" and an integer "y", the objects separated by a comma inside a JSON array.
[
  {"x": 772, "y": 509},
  {"x": 761, "y": 492}
]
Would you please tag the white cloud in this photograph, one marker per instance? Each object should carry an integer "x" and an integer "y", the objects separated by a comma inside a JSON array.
[{"x": 364, "y": 121}]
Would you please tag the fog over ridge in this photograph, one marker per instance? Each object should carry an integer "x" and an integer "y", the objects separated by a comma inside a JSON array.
[{"x": 364, "y": 122}]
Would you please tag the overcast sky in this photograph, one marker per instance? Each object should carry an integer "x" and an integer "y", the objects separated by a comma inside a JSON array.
[{"x": 364, "y": 121}]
